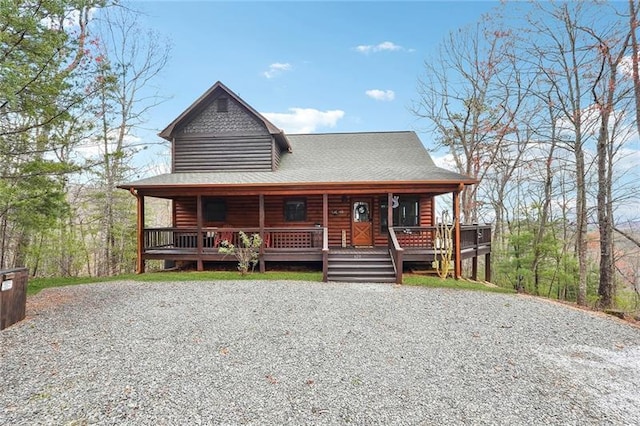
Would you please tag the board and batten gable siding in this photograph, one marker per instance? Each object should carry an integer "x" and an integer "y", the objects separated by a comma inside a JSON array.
[{"x": 231, "y": 140}]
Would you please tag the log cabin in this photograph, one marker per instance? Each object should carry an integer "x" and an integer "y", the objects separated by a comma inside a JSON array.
[{"x": 361, "y": 205}]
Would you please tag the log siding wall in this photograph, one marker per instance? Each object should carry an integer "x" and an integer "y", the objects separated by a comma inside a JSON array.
[
  {"x": 277, "y": 154},
  {"x": 230, "y": 153},
  {"x": 244, "y": 212}
]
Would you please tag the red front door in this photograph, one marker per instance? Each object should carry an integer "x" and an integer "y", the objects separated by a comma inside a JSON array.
[{"x": 361, "y": 223}]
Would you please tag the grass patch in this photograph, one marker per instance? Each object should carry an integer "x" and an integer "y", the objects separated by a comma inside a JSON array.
[
  {"x": 627, "y": 300},
  {"x": 437, "y": 282},
  {"x": 37, "y": 284},
  {"x": 226, "y": 276}
]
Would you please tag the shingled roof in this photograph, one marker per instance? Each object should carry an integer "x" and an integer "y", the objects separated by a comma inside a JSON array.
[{"x": 331, "y": 158}]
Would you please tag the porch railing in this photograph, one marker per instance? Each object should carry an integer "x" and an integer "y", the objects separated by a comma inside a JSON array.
[
  {"x": 424, "y": 237},
  {"x": 210, "y": 239},
  {"x": 403, "y": 242},
  {"x": 474, "y": 240},
  {"x": 293, "y": 238}
]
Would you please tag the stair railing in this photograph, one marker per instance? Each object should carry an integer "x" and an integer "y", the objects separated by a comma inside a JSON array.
[
  {"x": 396, "y": 254},
  {"x": 325, "y": 254}
]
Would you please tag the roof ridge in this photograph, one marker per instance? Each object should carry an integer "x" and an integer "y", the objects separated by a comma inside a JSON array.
[{"x": 351, "y": 133}]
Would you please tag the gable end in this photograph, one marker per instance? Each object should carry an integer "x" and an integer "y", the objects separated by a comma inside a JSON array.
[
  {"x": 223, "y": 117},
  {"x": 221, "y": 132}
]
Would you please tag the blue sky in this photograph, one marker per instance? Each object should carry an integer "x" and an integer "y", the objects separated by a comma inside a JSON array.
[{"x": 308, "y": 66}]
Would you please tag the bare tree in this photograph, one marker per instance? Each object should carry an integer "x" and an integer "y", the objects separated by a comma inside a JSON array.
[
  {"x": 470, "y": 95},
  {"x": 562, "y": 65},
  {"x": 537, "y": 114},
  {"x": 635, "y": 68},
  {"x": 129, "y": 60},
  {"x": 607, "y": 93}
]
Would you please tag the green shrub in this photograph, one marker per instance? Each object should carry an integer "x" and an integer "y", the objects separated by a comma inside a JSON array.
[{"x": 247, "y": 254}]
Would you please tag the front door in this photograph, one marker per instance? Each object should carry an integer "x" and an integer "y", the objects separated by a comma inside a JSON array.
[{"x": 361, "y": 223}]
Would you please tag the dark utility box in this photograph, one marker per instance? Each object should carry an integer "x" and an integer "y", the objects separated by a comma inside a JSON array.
[{"x": 13, "y": 296}]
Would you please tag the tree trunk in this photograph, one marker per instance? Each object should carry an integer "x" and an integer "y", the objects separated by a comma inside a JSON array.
[
  {"x": 21, "y": 247},
  {"x": 633, "y": 25},
  {"x": 605, "y": 154},
  {"x": 3, "y": 244},
  {"x": 605, "y": 226},
  {"x": 546, "y": 204},
  {"x": 581, "y": 224}
]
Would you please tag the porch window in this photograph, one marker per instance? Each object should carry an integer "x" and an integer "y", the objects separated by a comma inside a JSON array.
[
  {"x": 295, "y": 210},
  {"x": 214, "y": 209},
  {"x": 406, "y": 214}
]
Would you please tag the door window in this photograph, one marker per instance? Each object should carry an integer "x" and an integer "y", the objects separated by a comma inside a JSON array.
[{"x": 361, "y": 212}]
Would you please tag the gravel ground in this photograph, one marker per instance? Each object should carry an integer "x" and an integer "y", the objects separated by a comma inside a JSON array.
[{"x": 312, "y": 353}]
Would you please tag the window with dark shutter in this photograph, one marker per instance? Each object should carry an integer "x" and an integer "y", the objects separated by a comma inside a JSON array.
[
  {"x": 214, "y": 210},
  {"x": 295, "y": 210}
]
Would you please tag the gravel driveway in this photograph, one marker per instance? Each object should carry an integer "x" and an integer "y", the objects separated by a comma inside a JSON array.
[{"x": 312, "y": 353}]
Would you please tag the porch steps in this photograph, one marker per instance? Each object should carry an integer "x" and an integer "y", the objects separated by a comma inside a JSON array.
[{"x": 361, "y": 266}]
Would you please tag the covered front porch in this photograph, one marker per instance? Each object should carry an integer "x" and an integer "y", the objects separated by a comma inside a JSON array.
[
  {"x": 315, "y": 224},
  {"x": 417, "y": 244}
]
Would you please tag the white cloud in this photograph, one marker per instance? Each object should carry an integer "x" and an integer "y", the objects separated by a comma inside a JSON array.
[
  {"x": 620, "y": 122},
  {"x": 304, "y": 120},
  {"x": 388, "y": 46},
  {"x": 92, "y": 149},
  {"x": 445, "y": 161},
  {"x": 70, "y": 20},
  {"x": 276, "y": 69},
  {"x": 627, "y": 159},
  {"x": 381, "y": 95},
  {"x": 626, "y": 66}
]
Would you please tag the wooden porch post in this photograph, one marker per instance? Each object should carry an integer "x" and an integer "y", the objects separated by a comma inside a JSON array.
[
  {"x": 474, "y": 260},
  {"x": 457, "y": 271},
  {"x": 399, "y": 254},
  {"x": 325, "y": 210},
  {"x": 140, "y": 234},
  {"x": 434, "y": 214},
  {"x": 474, "y": 268},
  {"x": 325, "y": 229},
  {"x": 487, "y": 267},
  {"x": 389, "y": 210},
  {"x": 261, "y": 226},
  {"x": 199, "y": 221}
]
